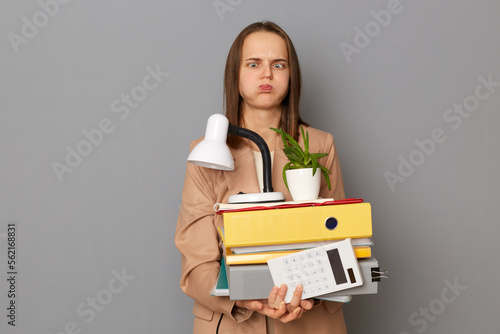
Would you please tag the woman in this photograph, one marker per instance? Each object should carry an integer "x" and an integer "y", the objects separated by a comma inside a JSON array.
[{"x": 262, "y": 89}]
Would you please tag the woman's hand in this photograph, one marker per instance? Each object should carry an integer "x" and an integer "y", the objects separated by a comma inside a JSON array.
[{"x": 275, "y": 306}]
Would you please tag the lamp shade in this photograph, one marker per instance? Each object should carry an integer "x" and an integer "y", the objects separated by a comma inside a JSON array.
[{"x": 212, "y": 151}]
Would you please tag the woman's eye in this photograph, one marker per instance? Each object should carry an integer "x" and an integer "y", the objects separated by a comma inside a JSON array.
[
  {"x": 252, "y": 65},
  {"x": 279, "y": 66}
]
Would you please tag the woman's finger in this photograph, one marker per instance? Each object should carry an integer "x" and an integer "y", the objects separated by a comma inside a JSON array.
[
  {"x": 272, "y": 297},
  {"x": 295, "y": 314},
  {"x": 276, "y": 299},
  {"x": 253, "y": 305},
  {"x": 306, "y": 304},
  {"x": 297, "y": 296}
]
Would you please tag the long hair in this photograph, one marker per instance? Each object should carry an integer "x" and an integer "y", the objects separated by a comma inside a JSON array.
[{"x": 290, "y": 116}]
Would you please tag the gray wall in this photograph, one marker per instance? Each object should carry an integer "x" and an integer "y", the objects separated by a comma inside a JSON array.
[{"x": 93, "y": 151}]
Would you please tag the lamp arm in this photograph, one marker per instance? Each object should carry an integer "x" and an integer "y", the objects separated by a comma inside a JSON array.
[{"x": 264, "y": 150}]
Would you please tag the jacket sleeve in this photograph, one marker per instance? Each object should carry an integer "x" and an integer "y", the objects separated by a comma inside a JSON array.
[{"x": 199, "y": 243}]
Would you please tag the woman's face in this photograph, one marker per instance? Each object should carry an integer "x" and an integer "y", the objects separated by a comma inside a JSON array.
[{"x": 264, "y": 71}]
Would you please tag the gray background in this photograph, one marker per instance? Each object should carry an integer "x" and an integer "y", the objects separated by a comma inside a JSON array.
[{"x": 116, "y": 210}]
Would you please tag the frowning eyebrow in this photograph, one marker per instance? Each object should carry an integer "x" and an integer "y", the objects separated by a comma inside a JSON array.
[{"x": 273, "y": 60}]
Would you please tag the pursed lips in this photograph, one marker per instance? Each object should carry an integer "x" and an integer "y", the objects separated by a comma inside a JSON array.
[{"x": 266, "y": 87}]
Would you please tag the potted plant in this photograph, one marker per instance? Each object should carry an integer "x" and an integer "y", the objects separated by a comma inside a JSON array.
[{"x": 299, "y": 174}]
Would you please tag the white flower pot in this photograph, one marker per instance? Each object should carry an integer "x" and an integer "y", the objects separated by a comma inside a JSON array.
[{"x": 302, "y": 184}]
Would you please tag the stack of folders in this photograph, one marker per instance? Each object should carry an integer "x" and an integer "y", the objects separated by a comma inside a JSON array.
[{"x": 254, "y": 234}]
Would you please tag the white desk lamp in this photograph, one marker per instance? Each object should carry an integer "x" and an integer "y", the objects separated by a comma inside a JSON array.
[{"x": 213, "y": 152}]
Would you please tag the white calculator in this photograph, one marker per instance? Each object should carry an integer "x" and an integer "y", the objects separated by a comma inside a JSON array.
[{"x": 320, "y": 270}]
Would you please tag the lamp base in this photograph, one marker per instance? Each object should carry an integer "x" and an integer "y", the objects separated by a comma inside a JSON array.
[{"x": 256, "y": 198}]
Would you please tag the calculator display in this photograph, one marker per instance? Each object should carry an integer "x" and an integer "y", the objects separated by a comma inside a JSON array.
[{"x": 336, "y": 265}]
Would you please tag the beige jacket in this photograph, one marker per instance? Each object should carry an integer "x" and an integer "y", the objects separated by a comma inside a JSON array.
[{"x": 201, "y": 247}]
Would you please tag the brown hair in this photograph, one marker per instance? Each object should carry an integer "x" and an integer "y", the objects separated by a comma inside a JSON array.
[{"x": 290, "y": 116}]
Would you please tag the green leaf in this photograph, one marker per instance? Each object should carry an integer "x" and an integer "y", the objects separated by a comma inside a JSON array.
[
  {"x": 293, "y": 154},
  {"x": 297, "y": 163},
  {"x": 314, "y": 165},
  {"x": 289, "y": 150},
  {"x": 287, "y": 166},
  {"x": 291, "y": 142},
  {"x": 283, "y": 138},
  {"x": 305, "y": 137},
  {"x": 324, "y": 169},
  {"x": 325, "y": 173},
  {"x": 319, "y": 155},
  {"x": 308, "y": 161},
  {"x": 296, "y": 167}
]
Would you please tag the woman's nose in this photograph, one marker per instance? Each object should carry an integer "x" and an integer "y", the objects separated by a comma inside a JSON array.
[{"x": 267, "y": 71}]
